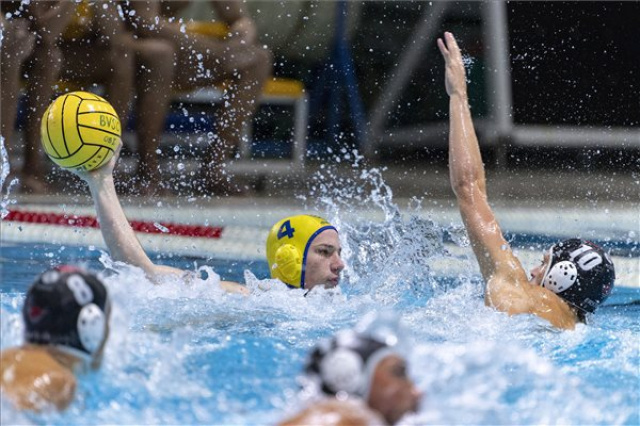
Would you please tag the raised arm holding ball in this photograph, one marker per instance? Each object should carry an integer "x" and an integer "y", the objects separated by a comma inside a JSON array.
[
  {"x": 81, "y": 132},
  {"x": 117, "y": 232},
  {"x": 574, "y": 278}
]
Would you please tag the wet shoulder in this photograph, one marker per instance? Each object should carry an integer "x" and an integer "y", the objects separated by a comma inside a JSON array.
[
  {"x": 514, "y": 294},
  {"x": 553, "y": 308},
  {"x": 32, "y": 379}
]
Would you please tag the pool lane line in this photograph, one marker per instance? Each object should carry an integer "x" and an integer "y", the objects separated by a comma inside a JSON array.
[
  {"x": 247, "y": 243},
  {"x": 72, "y": 220}
]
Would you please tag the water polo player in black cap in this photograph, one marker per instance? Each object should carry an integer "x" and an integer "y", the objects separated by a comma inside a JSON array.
[
  {"x": 364, "y": 377},
  {"x": 66, "y": 315},
  {"x": 574, "y": 278}
]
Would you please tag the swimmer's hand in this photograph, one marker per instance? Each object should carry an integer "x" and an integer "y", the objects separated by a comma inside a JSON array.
[
  {"x": 455, "y": 78},
  {"x": 103, "y": 171},
  {"x": 233, "y": 287}
]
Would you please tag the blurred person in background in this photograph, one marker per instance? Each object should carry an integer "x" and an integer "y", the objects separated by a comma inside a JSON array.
[
  {"x": 100, "y": 48},
  {"x": 97, "y": 50},
  {"x": 237, "y": 60},
  {"x": 17, "y": 45},
  {"x": 360, "y": 376},
  {"x": 30, "y": 51}
]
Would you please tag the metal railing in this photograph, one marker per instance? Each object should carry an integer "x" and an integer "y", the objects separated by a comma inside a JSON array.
[{"x": 497, "y": 127}]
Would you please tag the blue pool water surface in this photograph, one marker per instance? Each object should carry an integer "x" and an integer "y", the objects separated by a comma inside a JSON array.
[{"x": 190, "y": 354}]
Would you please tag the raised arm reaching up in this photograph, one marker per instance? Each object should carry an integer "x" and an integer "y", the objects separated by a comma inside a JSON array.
[
  {"x": 466, "y": 169},
  {"x": 508, "y": 288}
]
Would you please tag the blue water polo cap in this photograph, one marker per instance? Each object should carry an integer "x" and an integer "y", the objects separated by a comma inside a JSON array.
[
  {"x": 288, "y": 244},
  {"x": 580, "y": 272},
  {"x": 67, "y": 307}
]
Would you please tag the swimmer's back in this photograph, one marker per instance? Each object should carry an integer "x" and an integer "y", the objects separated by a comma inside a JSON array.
[{"x": 32, "y": 379}]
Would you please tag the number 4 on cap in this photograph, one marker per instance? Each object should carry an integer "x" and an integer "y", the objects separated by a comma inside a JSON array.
[{"x": 286, "y": 230}]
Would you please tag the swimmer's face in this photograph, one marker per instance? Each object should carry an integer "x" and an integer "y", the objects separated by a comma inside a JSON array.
[
  {"x": 323, "y": 265},
  {"x": 393, "y": 394},
  {"x": 537, "y": 273}
]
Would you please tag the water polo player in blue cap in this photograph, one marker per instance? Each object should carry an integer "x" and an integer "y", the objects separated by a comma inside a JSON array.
[
  {"x": 574, "y": 278},
  {"x": 66, "y": 325},
  {"x": 304, "y": 251}
]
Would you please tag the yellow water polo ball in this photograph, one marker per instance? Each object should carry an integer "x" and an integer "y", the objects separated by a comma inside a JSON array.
[{"x": 80, "y": 131}]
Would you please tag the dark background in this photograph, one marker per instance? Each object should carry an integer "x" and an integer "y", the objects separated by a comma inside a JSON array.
[{"x": 573, "y": 63}]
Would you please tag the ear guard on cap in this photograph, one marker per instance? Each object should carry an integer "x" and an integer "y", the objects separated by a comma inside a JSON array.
[
  {"x": 561, "y": 276},
  {"x": 345, "y": 363},
  {"x": 288, "y": 264},
  {"x": 342, "y": 371},
  {"x": 91, "y": 327}
]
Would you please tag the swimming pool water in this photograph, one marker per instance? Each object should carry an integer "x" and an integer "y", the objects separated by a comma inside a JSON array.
[{"x": 190, "y": 354}]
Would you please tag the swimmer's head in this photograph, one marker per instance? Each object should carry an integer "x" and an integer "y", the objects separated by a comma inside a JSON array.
[
  {"x": 303, "y": 251},
  {"x": 355, "y": 365},
  {"x": 580, "y": 272},
  {"x": 68, "y": 308}
]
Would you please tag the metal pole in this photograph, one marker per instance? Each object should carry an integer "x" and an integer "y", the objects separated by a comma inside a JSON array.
[{"x": 425, "y": 33}]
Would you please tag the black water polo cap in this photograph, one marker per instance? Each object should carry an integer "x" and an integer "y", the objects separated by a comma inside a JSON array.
[
  {"x": 580, "y": 272},
  {"x": 68, "y": 307}
]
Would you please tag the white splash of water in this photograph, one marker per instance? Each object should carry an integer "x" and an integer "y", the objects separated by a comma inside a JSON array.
[
  {"x": 183, "y": 351},
  {"x": 388, "y": 254}
]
